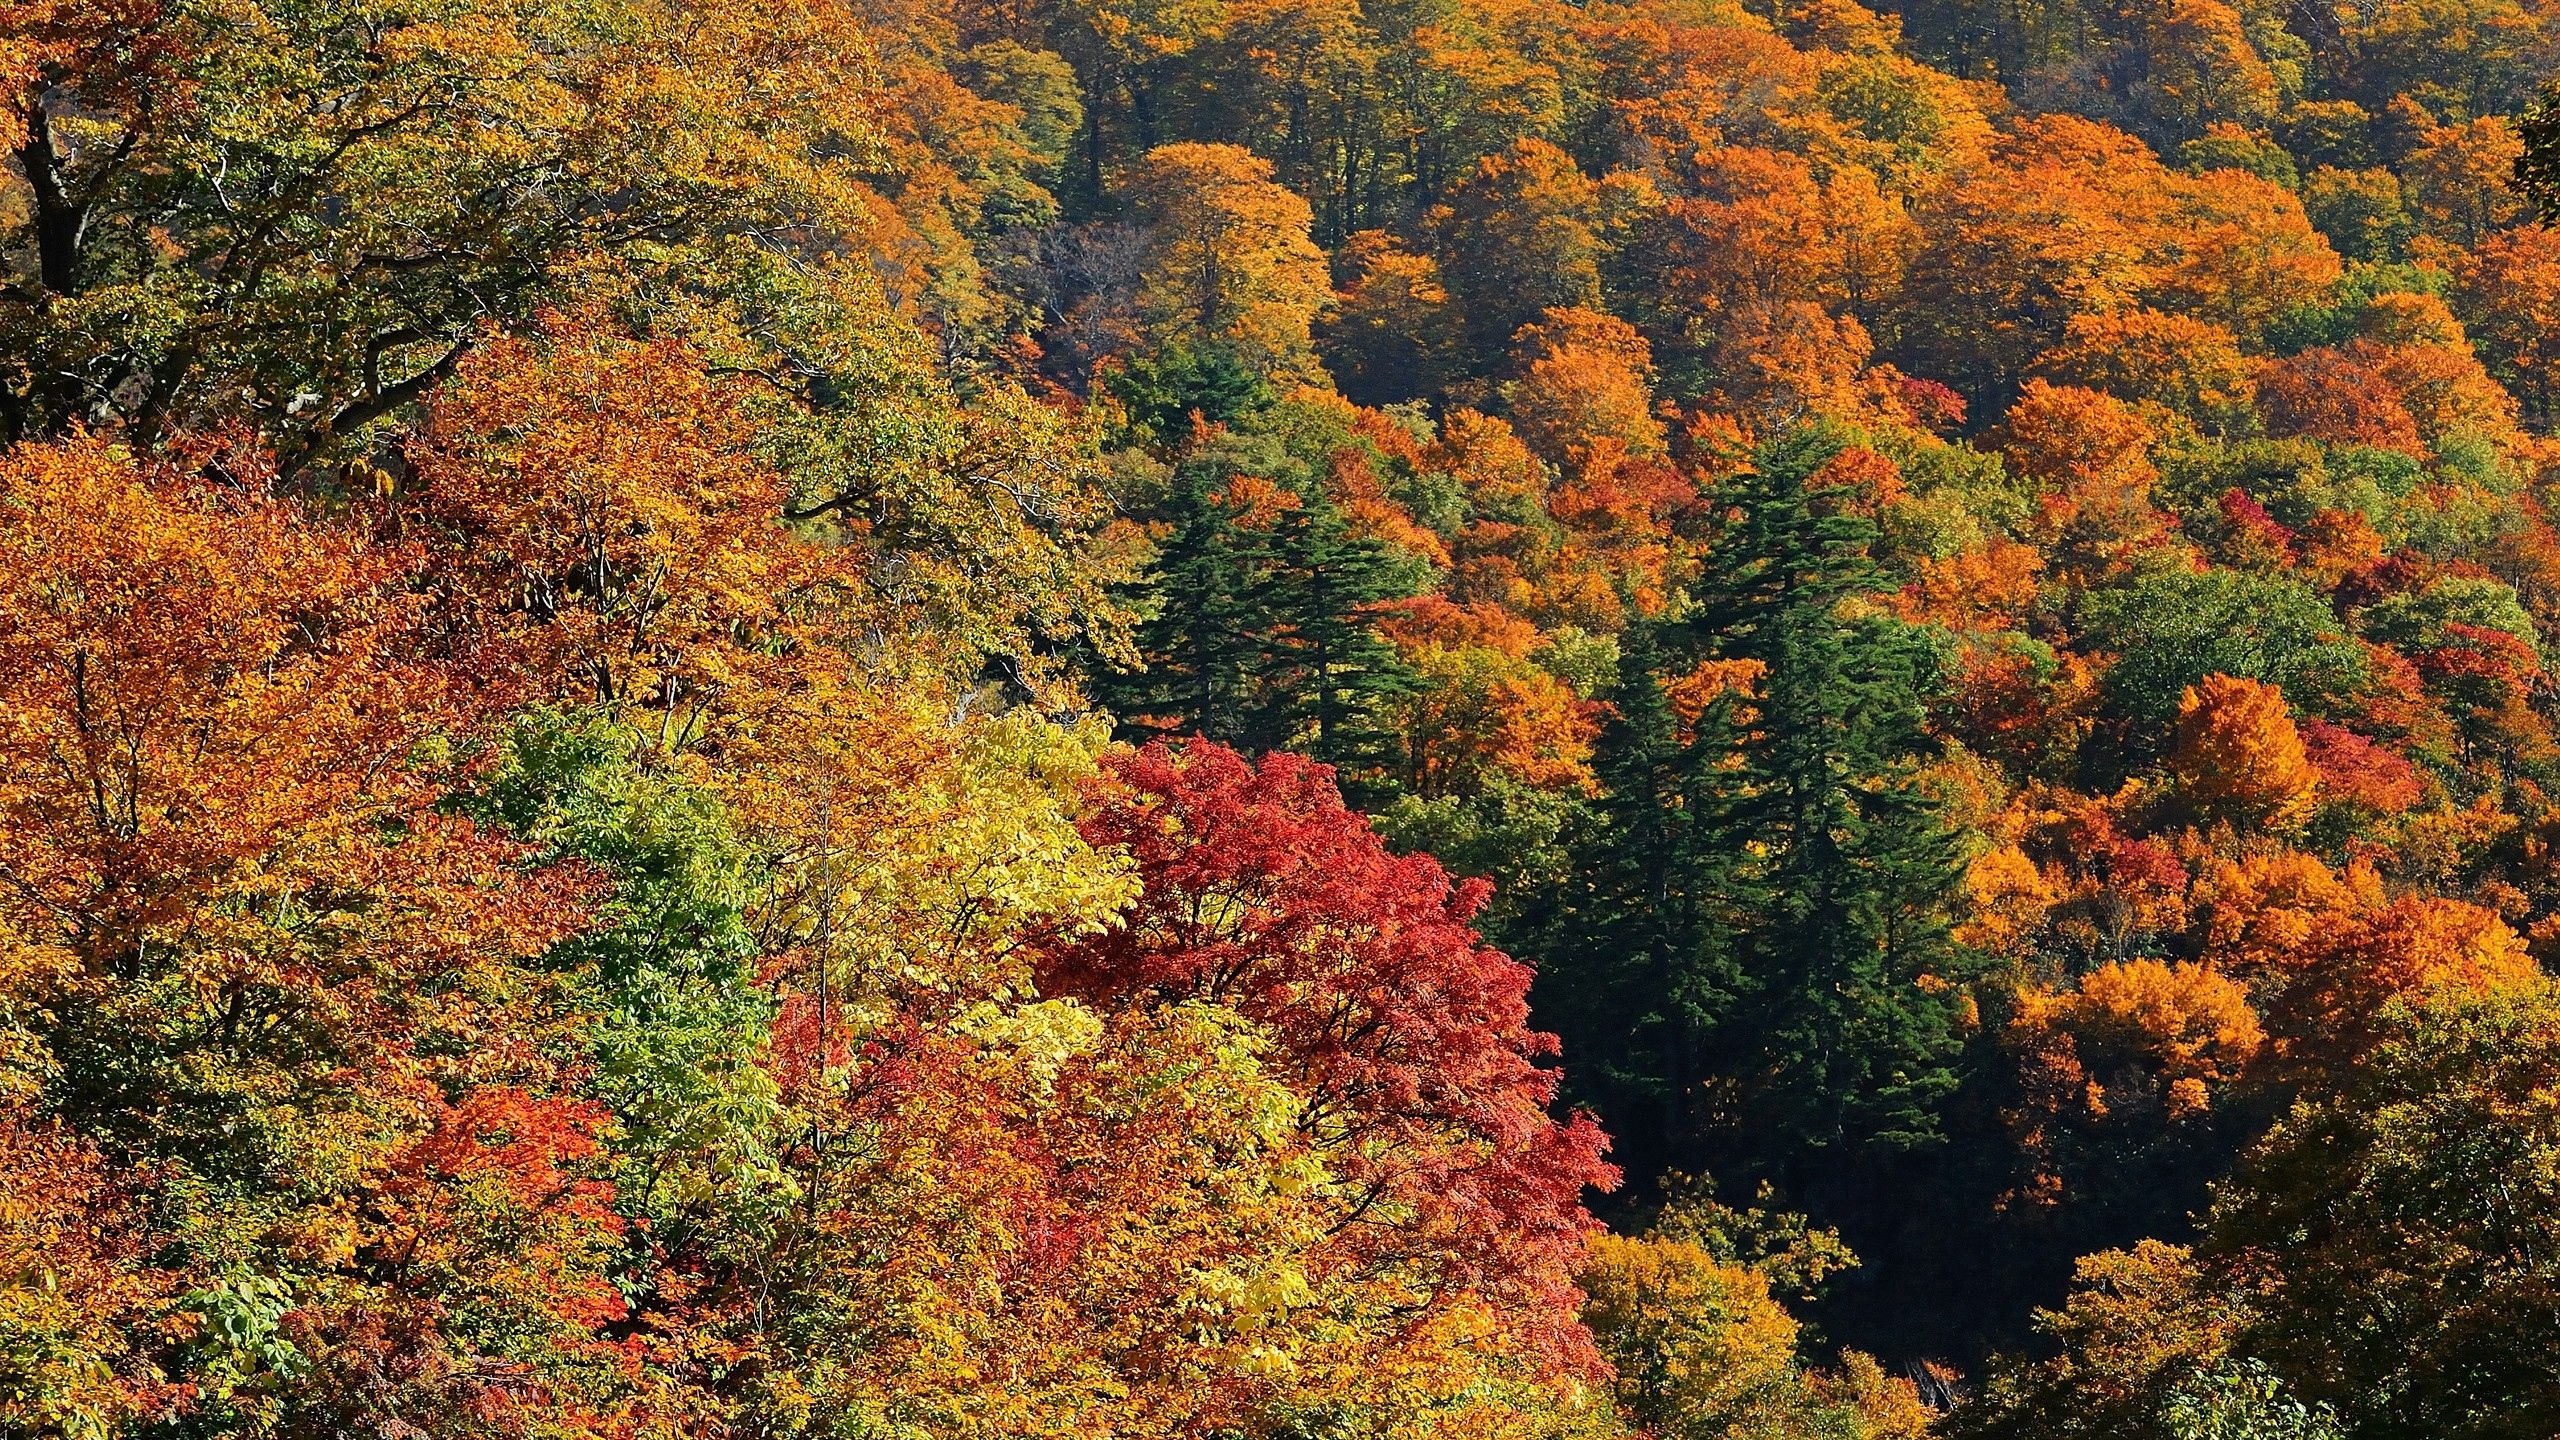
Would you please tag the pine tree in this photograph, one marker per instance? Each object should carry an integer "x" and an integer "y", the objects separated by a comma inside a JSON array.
[
  {"x": 1759, "y": 942},
  {"x": 1200, "y": 644},
  {"x": 1263, "y": 609},
  {"x": 1842, "y": 1020},
  {"x": 1640, "y": 959},
  {"x": 1332, "y": 669}
]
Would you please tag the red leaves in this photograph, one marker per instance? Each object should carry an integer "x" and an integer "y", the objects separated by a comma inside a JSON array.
[
  {"x": 1409, "y": 1040},
  {"x": 2356, "y": 770},
  {"x": 500, "y": 1185}
]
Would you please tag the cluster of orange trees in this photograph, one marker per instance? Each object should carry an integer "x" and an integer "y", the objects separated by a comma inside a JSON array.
[{"x": 831, "y": 718}]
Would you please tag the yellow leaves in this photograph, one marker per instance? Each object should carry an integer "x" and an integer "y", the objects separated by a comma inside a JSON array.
[
  {"x": 1486, "y": 706},
  {"x": 2238, "y": 755},
  {"x": 2203, "y": 69},
  {"x": 1393, "y": 329},
  {"x": 2008, "y": 900},
  {"x": 2415, "y": 948},
  {"x": 2197, "y": 1023},
  {"x": 2132, "y": 1315},
  {"x": 1230, "y": 264},
  {"x": 2194, "y": 367},
  {"x": 2462, "y": 176},
  {"x": 918, "y": 844},
  {"x": 1137, "y": 31},
  {"x": 419, "y": 167},
  {"x": 1032, "y": 1041},
  {"x": 1669, "y": 1308},
  {"x": 2261, "y": 910}
]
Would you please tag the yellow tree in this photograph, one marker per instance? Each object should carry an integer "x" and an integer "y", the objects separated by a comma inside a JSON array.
[
  {"x": 1585, "y": 387},
  {"x": 1393, "y": 334},
  {"x": 416, "y": 171},
  {"x": 2203, "y": 70},
  {"x": 2462, "y": 177},
  {"x": 1229, "y": 264},
  {"x": 604, "y": 494},
  {"x": 2194, "y": 367},
  {"x": 2091, "y": 455}
]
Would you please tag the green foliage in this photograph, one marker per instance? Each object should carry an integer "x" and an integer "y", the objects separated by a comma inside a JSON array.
[
  {"x": 2171, "y": 628},
  {"x": 1262, "y": 610},
  {"x": 677, "y": 1019},
  {"x": 2416, "y": 620},
  {"x": 1767, "y": 889},
  {"x": 1162, "y": 391},
  {"x": 2243, "y": 1400},
  {"x": 2413, "y": 1210}
]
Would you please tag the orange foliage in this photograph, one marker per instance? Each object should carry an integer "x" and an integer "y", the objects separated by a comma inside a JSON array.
[
  {"x": 2194, "y": 367},
  {"x": 211, "y": 701},
  {"x": 1484, "y": 708},
  {"x": 1392, "y": 332},
  {"x": 2116, "y": 889},
  {"x": 1987, "y": 588},
  {"x": 1584, "y": 389},
  {"x": 2412, "y": 948},
  {"x": 72, "y": 1237},
  {"x": 2509, "y": 286},
  {"x": 2137, "y": 1032},
  {"x": 2261, "y": 910},
  {"x": 1692, "y": 695},
  {"x": 2332, "y": 395},
  {"x": 2462, "y": 177},
  {"x": 2238, "y": 754},
  {"x": 1230, "y": 262},
  {"x": 1859, "y": 481},
  {"x": 2007, "y": 902},
  {"x": 605, "y": 494},
  {"x": 2090, "y": 453}
]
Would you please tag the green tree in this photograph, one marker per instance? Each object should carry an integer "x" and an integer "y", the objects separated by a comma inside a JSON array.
[
  {"x": 2408, "y": 1218},
  {"x": 1769, "y": 872},
  {"x": 678, "y": 1020},
  {"x": 2243, "y": 1400},
  {"x": 1859, "y": 860},
  {"x": 299, "y": 216},
  {"x": 1262, "y": 613},
  {"x": 1641, "y": 937},
  {"x": 2172, "y": 627}
]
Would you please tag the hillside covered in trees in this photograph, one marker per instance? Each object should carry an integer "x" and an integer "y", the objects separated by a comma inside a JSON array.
[{"x": 1279, "y": 720}]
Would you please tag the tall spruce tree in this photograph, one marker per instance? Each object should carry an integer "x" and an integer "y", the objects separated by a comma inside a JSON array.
[
  {"x": 1641, "y": 958},
  {"x": 1331, "y": 668},
  {"x": 1262, "y": 613},
  {"x": 1201, "y": 641},
  {"x": 1761, "y": 938}
]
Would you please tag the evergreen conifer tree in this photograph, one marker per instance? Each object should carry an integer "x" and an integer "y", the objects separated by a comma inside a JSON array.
[
  {"x": 1262, "y": 614},
  {"x": 1758, "y": 944}
]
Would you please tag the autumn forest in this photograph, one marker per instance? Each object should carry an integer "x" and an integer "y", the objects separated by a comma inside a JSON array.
[{"x": 1279, "y": 720}]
